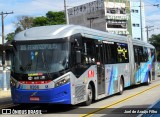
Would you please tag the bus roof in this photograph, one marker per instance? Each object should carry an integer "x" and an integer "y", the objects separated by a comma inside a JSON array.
[
  {"x": 141, "y": 43},
  {"x": 61, "y": 31}
]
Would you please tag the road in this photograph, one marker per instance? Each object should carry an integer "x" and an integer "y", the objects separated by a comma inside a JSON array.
[{"x": 133, "y": 99}]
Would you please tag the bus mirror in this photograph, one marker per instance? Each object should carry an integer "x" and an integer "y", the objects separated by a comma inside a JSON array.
[
  {"x": 78, "y": 57},
  {"x": 77, "y": 43}
]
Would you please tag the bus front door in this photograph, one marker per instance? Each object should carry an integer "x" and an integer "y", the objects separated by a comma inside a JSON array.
[{"x": 100, "y": 69}]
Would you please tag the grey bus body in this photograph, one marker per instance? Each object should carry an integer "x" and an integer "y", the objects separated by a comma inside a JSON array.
[{"x": 104, "y": 76}]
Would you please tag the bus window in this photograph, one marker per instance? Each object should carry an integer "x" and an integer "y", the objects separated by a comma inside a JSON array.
[
  {"x": 122, "y": 53},
  {"x": 153, "y": 54},
  {"x": 145, "y": 54},
  {"x": 139, "y": 54},
  {"x": 88, "y": 52},
  {"x": 110, "y": 52},
  {"x": 135, "y": 54}
]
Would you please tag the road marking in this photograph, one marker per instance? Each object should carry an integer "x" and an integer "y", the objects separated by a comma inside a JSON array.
[{"x": 117, "y": 102}]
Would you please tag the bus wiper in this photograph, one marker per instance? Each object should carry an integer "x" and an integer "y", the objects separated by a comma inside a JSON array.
[
  {"x": 27, "y": 67},
  {"x": 64, "y": 70},
  {"x": 22, "y": 68},
  {"x": 46, "y": 66}
]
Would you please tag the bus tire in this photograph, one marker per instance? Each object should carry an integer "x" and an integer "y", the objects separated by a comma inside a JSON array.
[
  {"x": 121, "y": 87},
  {"x": 148, "y": 80},
  {"x": 89, "y": 96}
]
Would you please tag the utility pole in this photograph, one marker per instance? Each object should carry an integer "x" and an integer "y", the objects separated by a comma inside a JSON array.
[
  {"x": 66, "y": 12},
  {"x": 141, "y": 19},
  {"x": 2, "y": 18},
  {"x": 147, "y": 27},
  {"x": 3, "y": 51},
  {"x": 91, "y": 20}
]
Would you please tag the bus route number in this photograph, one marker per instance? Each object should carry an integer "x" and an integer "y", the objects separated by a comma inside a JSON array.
[{"x": 35, "y": 87}]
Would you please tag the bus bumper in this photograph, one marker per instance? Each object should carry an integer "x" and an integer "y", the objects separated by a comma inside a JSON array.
[{"x": 58, "y": 95}]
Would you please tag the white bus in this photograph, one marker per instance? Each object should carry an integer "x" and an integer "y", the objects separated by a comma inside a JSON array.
[{"x": 69, "y": 64}]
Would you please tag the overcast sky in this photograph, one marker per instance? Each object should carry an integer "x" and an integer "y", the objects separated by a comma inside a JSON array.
[{"x": 40, "y": 7}]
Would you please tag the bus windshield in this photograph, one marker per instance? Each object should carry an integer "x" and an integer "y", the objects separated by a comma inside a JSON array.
[{"x": 41, "y": 58}]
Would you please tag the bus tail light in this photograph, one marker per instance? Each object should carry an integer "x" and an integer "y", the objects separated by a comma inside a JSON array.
[{"x": 62, "y": 81}]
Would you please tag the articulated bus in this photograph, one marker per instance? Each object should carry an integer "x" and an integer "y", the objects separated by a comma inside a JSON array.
[{"x": 69, "y": 64}]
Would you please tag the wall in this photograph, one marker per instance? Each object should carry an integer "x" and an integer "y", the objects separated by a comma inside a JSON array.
[
  {"x": 89, "y": 15},
  {"x": 84, "y": 20}
]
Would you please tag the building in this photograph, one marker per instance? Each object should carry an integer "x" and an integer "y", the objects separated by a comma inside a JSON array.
[
  {"x": 136, "y": 22},
  {"x": 89, "y": 15},
  {"x": 113, "y": 16}
]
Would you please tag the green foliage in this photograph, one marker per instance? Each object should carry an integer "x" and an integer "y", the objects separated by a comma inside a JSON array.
[
  {"x": 55, "y": 18},
  {"x": 52, "y": 18},
  {"x": 40, "y": 21},
  {"x": 155, "y": 40},
  {"x": 10, "y": 36},
  {"x": 25, "y": 22},
  {"x": 18, "y": 29}
]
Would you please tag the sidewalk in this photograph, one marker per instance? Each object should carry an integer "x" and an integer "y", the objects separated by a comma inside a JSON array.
[{"x": 5, "y": 96}]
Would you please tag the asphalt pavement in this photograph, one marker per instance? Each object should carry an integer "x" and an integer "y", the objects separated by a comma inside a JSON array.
[{"x": 5, "y": 96}]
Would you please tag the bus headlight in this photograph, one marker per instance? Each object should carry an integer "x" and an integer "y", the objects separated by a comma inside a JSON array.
[{"x": 62, "y": 81}]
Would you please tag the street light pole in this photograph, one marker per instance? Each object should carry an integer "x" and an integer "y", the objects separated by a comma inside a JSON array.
[
  {"x": 66, "y": 12},
  {"x": 147, "y": 27},
  {"x": 2, "y": 18},
  {"x": 141, "y": 19},
  {"x": 3, "y": 51}
]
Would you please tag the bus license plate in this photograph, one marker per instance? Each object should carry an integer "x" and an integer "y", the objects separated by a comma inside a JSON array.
[
  {"x": 34, "y": 87},
  {"x": 34, "y": 98}
]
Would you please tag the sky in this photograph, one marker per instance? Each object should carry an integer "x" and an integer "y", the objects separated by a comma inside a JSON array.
[{"x": 36, "y": 8}]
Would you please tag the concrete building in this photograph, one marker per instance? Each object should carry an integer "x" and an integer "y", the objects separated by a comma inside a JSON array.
[
  {"x": 112, "y": 16},
  {"x": 136, "y": 22},
  {"x": 89, "y": 15}
]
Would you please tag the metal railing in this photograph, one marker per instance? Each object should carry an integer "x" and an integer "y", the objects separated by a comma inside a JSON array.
[{"x": 5, "y": 80}]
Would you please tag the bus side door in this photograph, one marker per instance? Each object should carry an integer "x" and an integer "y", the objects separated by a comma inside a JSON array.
[
  {"x": 137, "y": 55},
  {"x": 100, "y": 69}
]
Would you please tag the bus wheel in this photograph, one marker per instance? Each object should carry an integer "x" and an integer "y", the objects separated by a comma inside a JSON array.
[
  {"x": 121, "y": 87},
  {"x": 89, "y": 96},
  {"x": 148, "y": 80}
]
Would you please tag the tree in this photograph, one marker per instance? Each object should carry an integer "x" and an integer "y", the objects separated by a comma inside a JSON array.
[
  {"x": 10, "y": 36},
  {"x": 24, "y": 22},
  {"x": 55, "y": 18},
  {"x": 52, "y": 18},
  {"x": 155, "y": 40},
  {"x": 40, "y": 21},
  {"x": 18, "y": 29}
]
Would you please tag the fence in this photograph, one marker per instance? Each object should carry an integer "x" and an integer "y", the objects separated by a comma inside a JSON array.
[{"x": 5, "y": 80}]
